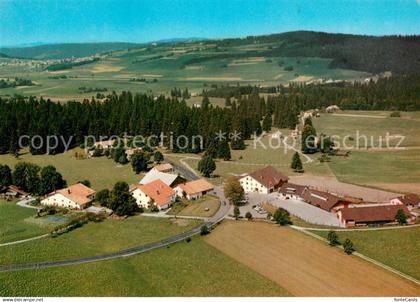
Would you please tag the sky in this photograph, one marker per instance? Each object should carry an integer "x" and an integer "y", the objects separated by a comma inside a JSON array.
[{"x": 58, "y": 21}]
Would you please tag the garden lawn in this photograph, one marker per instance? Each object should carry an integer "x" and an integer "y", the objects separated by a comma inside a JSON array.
[
  {"x": 96, "y": 238},
  {"x": 196, "y": 207},
  {"x": 397, "y": 248},
  {"x": 183, "y": 269}
]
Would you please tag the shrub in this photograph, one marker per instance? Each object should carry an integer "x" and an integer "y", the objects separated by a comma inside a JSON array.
[
  {"x": 248, "y": 215},
  {"x": 282, "y": 217},
  {"x": 204, "y": 230},
  {"x": 332, "y": 238},
  {"x": 395, "y": 114},
  {"x": 348, "y": 247}
]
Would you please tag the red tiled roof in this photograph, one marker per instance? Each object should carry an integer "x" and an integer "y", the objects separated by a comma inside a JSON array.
[
  {"x": 158, "y": 191},
  {"x": 196, "y": 186},
  {"x": 79, "y": 193},
  {"x": 410, "y": 199},
  {"x": 290, "y": 188},
  {"x": 323, "y": 200},
  {"x": 376, "y": 213},
  {"x": 269, "y": 177}
]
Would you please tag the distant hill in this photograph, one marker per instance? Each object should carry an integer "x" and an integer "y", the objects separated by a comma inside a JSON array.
[
  {"x": 2, "y": 55},
  {"x": 399, "y": 54},
  {"x": 61, "y": 51}
]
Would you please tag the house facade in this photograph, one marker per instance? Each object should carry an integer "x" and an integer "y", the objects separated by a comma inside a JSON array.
[
  {"x": 265, "y": 180},
  {"x": 155, "y": 192},
  {"x": 77, "y": 197}
]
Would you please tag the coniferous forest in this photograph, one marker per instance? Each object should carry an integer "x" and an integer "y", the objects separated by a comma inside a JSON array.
[{"x": 141, "y": 114}]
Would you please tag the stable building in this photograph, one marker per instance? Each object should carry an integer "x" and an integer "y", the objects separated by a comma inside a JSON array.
[
  {"x": 169, "y": 179},
  {"x": 365, "y": 215},
  {"x": 411, "y": 201},
  {"x": 324, "y": 200},
  {"x": 195, "y": 189},
  {"x": 77, "y": 197},
  {"x": 292, "y": 191},
  {"x": 266, "y": 180}
]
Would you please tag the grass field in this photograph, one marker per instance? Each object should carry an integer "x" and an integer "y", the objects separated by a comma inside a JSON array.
[
  {"x": 373, "y": 124},
  {"x": 183, "y": 269},
  {"x": 303, "y": 265},
  {"x": 398, "y": 249},
  {"x": 14, "y": 223},
  {"x": 96, "y": 238},
  {"x": 395, "y": 171},
  {"x": 100, "y": 171},
  {"x": 196, "y": 207}
]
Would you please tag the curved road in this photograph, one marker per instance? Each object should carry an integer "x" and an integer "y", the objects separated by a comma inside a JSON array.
[{"x": 221, "y": 213}]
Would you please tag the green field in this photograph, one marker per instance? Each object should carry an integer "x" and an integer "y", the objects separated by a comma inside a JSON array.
[
  {"x": 372, "y": 124},
  {"x": 398, "y": 249},
  {"x": 96, "y": 238},
  {"x": 196, "y": 207},
  {"x": 14, "y": 224},
  {"x": 183, "y": 269},
  {"x": 397, "y": 171},
  {"x": 100, "y": 171},
  {"x": 171, "y": 67}
]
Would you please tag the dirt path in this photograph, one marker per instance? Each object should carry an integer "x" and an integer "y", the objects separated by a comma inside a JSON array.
[{"x": 303, "y": 265}]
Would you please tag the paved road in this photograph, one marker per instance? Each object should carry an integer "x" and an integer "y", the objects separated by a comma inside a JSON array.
[
  {"x": 182, "y": 169},
  {"x": 298, "y": 208},
  {"x": 221, "y": 213}
]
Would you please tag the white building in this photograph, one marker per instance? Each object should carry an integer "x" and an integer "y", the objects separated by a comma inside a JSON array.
[
  {"x": 155, "y": 192},
  {"x": 77, "y": 197},
  {"x": 168, "y": 178},
  {"x": 264, "y": 181}
]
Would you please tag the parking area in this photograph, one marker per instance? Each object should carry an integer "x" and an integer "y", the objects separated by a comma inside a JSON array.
[{"x": 297, "y": 208}]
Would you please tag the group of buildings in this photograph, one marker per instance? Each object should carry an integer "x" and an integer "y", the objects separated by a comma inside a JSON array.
[
  {"x": 159, "y": 187},
  {"x": 350, "y": 211}
]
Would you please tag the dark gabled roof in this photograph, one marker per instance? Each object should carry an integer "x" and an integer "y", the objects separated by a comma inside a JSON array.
[
  {"x": 410, "y": 199},
  {"x": 373, "y": 213},
  {"x": 323, "y": 200},
  {"x": 269, "y": 177},
  {"x": 290, "y": 188}
]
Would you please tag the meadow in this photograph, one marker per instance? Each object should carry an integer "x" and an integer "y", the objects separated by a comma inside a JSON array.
[
  {"x": 182, "y": 269},
  {"x": 96, "y": 238},
  {"x": 14, "y": 224},
  {"x": 397, "y": 248},
  {"x": 100, "y": 171}
]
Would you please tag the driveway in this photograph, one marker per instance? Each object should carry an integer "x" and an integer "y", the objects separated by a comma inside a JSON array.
[{"x": 297, "y": 208}]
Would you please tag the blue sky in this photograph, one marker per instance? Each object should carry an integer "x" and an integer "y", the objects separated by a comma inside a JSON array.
[{"x": 52, "y": 21}]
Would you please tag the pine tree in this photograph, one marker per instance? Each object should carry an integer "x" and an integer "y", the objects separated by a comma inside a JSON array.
[
  {"x": 206, "y": 166},
  {"x": 223, "y": 150},
  {"x": 267, "y": 123},
  {"x": 296, "y": 163},
  {"x": 308, "y": 139}
]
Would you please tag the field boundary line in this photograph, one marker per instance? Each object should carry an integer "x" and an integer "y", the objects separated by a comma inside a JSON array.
[
  {"x": 357, "y": 254},
  {"x": 357, "y": 230},
  {"x": 24, "y": 240}
]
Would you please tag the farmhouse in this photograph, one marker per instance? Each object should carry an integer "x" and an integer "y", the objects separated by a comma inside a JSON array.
[
  {"x": 14, "y": 192},
  {"x": 165, "y": 168},
  {"x": 155, "y": 192},
  {"x": 324, "y": 200},
  {"x": 169, "y": 179},
  {"x": 363, "y": 215},
  {"x": 105, "y": 144},
  {"x": 193, "y": 190},
  {"x": 77, "y": 197},
  {"x": 265, "y": 180},
  {"x": 411, "y": 201}
]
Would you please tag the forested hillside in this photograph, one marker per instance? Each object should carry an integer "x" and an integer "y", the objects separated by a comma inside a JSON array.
[
  {"x": 65, "y": 50},
  {"x": 399, "y": 54}
]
